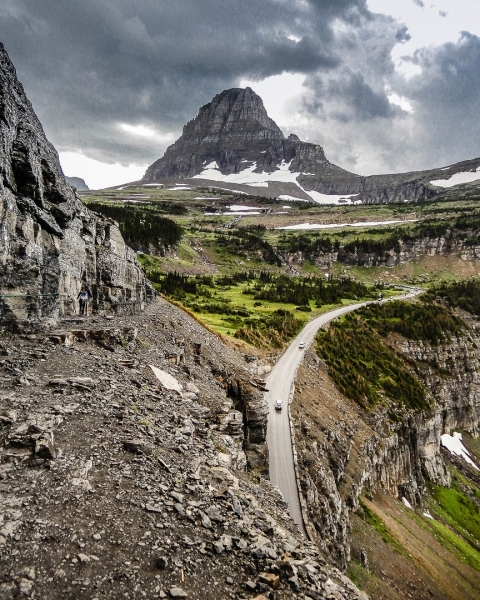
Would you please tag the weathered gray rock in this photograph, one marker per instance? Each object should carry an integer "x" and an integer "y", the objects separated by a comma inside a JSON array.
[
  {"x": 138, "y": 446},
  {"x": 45, "y": 446},
  {"x": 235, "y": 131},
  {"x": 51, "y": 243}
]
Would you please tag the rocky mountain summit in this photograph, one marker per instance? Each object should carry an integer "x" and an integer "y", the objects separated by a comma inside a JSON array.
[
  {"x": 51, "y": 243},
  {"x": 233, "y": 141}
]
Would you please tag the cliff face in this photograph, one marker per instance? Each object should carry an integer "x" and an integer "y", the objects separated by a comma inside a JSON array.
[
  {"x": 233, "y": 140},
  {"x": 344, "y": 451},
  {"x": 78, "y": 183},
  {"x": 406, "y": 252},
  {"x": 50, "y": 242},
  {"x": 235, "y": 131}
]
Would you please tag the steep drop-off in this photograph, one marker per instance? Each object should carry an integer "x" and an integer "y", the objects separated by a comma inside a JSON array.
[
  {"x": 50, "y": 243},
  {"x": 346, "y": 450}
]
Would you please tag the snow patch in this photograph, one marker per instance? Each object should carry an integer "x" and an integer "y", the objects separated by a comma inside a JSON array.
[
  {"x": 241, "y": 207},
  {"x": 248, "y": 176},
  {"x": 330, "y": 198},
  {"x": 291, "y": 198},
  {"x": 458, "y": 178},
  {"x": 428, "y": 515},
  {"x": 282, "y": 174},
  {"x": 166, "y": 380},
  {"x": 334, "y": 225},
  {"x": 407, "y": 503},
  {"x": 244, "y": 213},
  {"x": 153, "y": 185},
  {"x": 178, "y": 189},
  {"x": 453, "y": 443}
]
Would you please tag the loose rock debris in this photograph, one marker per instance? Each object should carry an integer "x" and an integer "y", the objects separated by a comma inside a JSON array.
[{"x": 114, "y": 486}]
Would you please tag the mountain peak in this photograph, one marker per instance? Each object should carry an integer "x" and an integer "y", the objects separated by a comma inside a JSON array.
[
  {"x": 233, "y": 128},
  {"x": 237, "y": 110}
]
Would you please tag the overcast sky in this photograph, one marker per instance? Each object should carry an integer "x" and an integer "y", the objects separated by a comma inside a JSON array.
[{"x": 383, "y": 85}]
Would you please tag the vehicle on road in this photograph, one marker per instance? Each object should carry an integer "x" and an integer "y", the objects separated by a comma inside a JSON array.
[
  {"x": 278, "y": 405},
  {"x": 301, "y": 345}
]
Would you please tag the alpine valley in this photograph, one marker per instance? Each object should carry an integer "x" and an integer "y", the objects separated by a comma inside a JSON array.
[{"x": 136, "y": 451}]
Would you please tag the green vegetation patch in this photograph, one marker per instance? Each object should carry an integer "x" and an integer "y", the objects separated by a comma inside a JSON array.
[
  {"x": 273, "y": 330},
  {"x": 301, "y": 290},
  {"x": 461, "y": 294},
  {"x": 374, "y": 521},
  {"x": 260, "y": 307},
  {"x": 248, "y": 240},
  {"x": 453, "y": 542},
  {"x": 365, "y": 368},
  {"x": 415, "y": 321},
  {"x": 141, "y": 227},
  {"x": 459, "y": 507}
]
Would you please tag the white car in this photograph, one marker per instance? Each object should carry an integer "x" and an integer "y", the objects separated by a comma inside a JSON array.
[
  {"x": 278, "y": 405},
  {"x": 301, "y": 345}
]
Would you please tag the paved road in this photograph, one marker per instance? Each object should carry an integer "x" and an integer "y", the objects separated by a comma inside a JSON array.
[{"x": 279, "y": 383}]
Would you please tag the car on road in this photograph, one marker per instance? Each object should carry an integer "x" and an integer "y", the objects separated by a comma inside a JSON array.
[
  {"x": 301, "y": 345},
  {"x": 278, "y": 405}
]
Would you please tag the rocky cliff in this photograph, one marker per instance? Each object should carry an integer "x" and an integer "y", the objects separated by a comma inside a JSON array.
[
  {"x": 406, "y": 252},
  {"x": 78, "y": 183},
  {"x": 50, "y": 243},
  {"x": 345, "y": 451},
  {"x": 233, "y": 140}
]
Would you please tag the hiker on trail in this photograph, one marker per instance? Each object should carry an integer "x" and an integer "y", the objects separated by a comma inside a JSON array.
[{"x": 83, "y": 301}]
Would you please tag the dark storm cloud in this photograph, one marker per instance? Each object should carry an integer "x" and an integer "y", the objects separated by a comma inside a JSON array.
[
  {"x": 355, "y": 90},
  {"x": 446, "y": 97},
  {"x": 364, "y": 101},
  {"x": 88, "y": 66},
  {"x": 402, "y": 35}
]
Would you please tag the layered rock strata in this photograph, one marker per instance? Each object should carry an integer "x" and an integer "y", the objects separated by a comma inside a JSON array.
[
  {"x": 234, "y": 135},
  {"x": 50, "y": 243},
  {"x": 344, "y": 451},
  {"x": 406, "y": 252}
]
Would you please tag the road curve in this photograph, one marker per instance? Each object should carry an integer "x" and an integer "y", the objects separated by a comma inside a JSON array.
[{"x": 279, "y": 383}]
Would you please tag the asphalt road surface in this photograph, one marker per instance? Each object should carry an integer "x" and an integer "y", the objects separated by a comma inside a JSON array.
[{"x": 279, "y": 383}]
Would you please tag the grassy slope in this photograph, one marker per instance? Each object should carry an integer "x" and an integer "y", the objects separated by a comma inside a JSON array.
[{"x": 409, "y": 553}]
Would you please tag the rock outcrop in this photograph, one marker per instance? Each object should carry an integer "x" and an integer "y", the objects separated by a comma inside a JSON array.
[
  {"x": 233, "y": 140},
  {"x": 406, "y": 252},
  {"x": 344, "y": 451},
  {"x": 50, "y": 243},
  {"x": 78, "y": 183}
]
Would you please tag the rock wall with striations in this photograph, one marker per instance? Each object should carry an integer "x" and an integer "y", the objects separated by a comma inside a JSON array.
[
  {"x": 344, "y": 451},
  {"x": 50, "y": 243},
  {"x": 235, "y": 133},
  {"x": 406, "y": 252}
]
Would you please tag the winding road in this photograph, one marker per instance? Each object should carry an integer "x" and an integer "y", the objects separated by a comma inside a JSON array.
[{"x": 279, "y": 383}]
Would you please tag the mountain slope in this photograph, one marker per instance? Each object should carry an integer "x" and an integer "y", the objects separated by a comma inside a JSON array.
[
  {"x": 234, "y": 142},
  {"x": 51, "y": 243}
]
